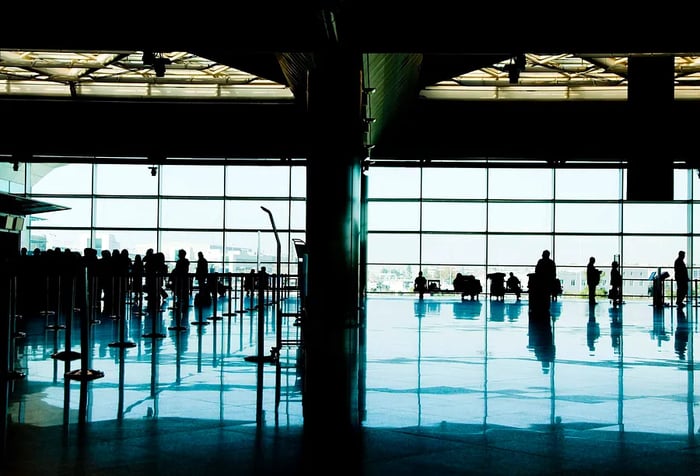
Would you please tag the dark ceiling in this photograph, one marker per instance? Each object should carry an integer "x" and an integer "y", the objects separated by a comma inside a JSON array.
[{"x": 404, "y": 50}]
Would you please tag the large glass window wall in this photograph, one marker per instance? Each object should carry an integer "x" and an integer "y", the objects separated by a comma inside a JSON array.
[
  {"x": 499, "y": 218},
  {"x": 443, "y": 220},
  {"x": 219, "y": 210}
]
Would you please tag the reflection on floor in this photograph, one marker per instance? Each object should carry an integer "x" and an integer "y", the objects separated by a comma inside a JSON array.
[{"x": 452, "y": 387}]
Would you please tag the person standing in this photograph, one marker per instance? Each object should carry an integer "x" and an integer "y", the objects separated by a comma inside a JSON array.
[
  {"x": 181, "y": 280},
  {"x": 681, "y": 276},
  {"x": 546, "y": 272},
  {"x": 615, "y": 284},
  {"x": 202, "y": 274},
  {"x": 593, "y": 279}
]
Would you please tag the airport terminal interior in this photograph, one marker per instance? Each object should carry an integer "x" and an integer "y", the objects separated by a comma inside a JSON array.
[{"x": 343, "y": 150}]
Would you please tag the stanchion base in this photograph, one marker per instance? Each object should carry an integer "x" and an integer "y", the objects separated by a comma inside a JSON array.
[
  {"x": 84, "y": 376},
  {"x": 154, "y": 336},
  {"x": 177, "y": 328},
  {"x": 214, "y": 318},
  {"x": 19, "y": 335},
  {"x": 122, "y": 345},
  {"x": 66, "y": 355},
  {"x": 55, "y": 327},
  {"x": 199, "y": 323}
]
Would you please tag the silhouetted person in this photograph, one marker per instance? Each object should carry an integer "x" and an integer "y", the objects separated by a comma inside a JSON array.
[
  {"x": 105, "y": 281},
  {"x": 201, "y": 273},
  {"x": 420, "y": 284},
  {"x": 680, "y": 272},
  {"x": 262, "y": 282},
  {"x": 615, "y": 284},
  {"x": 249, "y": 282},
  {"x": 541, "y": 284},
  {"x": 514, "y": 286},
  {"x": 593, "y": 279},
  {"x": 137, "y": 273},
  {"x": 181, "y": 279},
  {"x": 546, "y": 271}
]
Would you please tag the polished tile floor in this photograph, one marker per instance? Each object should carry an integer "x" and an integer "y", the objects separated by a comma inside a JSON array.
[{"x": 452, "y": 387}]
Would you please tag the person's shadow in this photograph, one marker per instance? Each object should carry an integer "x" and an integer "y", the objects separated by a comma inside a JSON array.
[
  {"x": 541, "y": 338},
  {"x": 592, "y": 329},
  {"x": 681, "y": 336},
  {"x": 513, "y": 310}
]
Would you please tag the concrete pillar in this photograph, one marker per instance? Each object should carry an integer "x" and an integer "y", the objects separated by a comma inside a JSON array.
[
  {"x": 650, "y": 94},
  {"x": 333, "y": 238}
]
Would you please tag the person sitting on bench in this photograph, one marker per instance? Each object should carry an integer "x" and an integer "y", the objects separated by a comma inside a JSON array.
[{"x": 513, "y": 285}]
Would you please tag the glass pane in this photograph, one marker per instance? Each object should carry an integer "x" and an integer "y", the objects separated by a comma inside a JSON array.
[
  {"x": 78, "y": 213},
  {"x": 137, "y": 242},
  {"x": 393, "y": 248},
  {"x": 298, "y": 218},
  {"x": 454, "y": 216},
  {"x": 454, "y": 183},
  {"x": 652, "y": 251},
  {"x": 512, "y": 217},
  {"x": 393, "y": 182},
  {"x": 192, "y": 242},
  {"x": 245, "y": 249},
  {"x": 63, "y": 178},
  {"x": 387, "y": 278},
  {"x": 520, "y": 183},
  {"x": 511, "y": 250},
  {"x": 391, "y": 216},
  {"x": 256, "y": 181},
  {"x": 454, "y": 249},
  {"x": 126, "y": 212},
  {"x": 75, "y": 240},
  {"x": 576, "y": 250},
  {"x": 249, "y": 214},
  {"x": 587, "y": 217},
  {"x": 192, "y": 180},
  {"x": 178, "y": 213},
  {"x": 298, "y": 188},
  {"x": 681, "y": 179},
  {"x": 124, "y": 179},
  {"x": 588, "y": 184},
  {"x": 695, "y": 180},
  {"x": 654, "y": 218}
]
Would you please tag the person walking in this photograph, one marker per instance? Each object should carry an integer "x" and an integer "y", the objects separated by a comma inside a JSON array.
[
  {"x": 681, "y": 276},
  {"x": 593, "y": 279}
]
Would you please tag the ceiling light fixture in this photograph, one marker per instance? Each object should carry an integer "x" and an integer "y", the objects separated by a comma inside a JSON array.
[
  {"x": 159, "y": 62},
  {"x": 154, "y": 170}
]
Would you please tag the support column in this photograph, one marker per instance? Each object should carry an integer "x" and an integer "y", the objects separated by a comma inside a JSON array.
[
  {"x": 650, "y": 94},
  {"x": 332, "y": 238}
]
